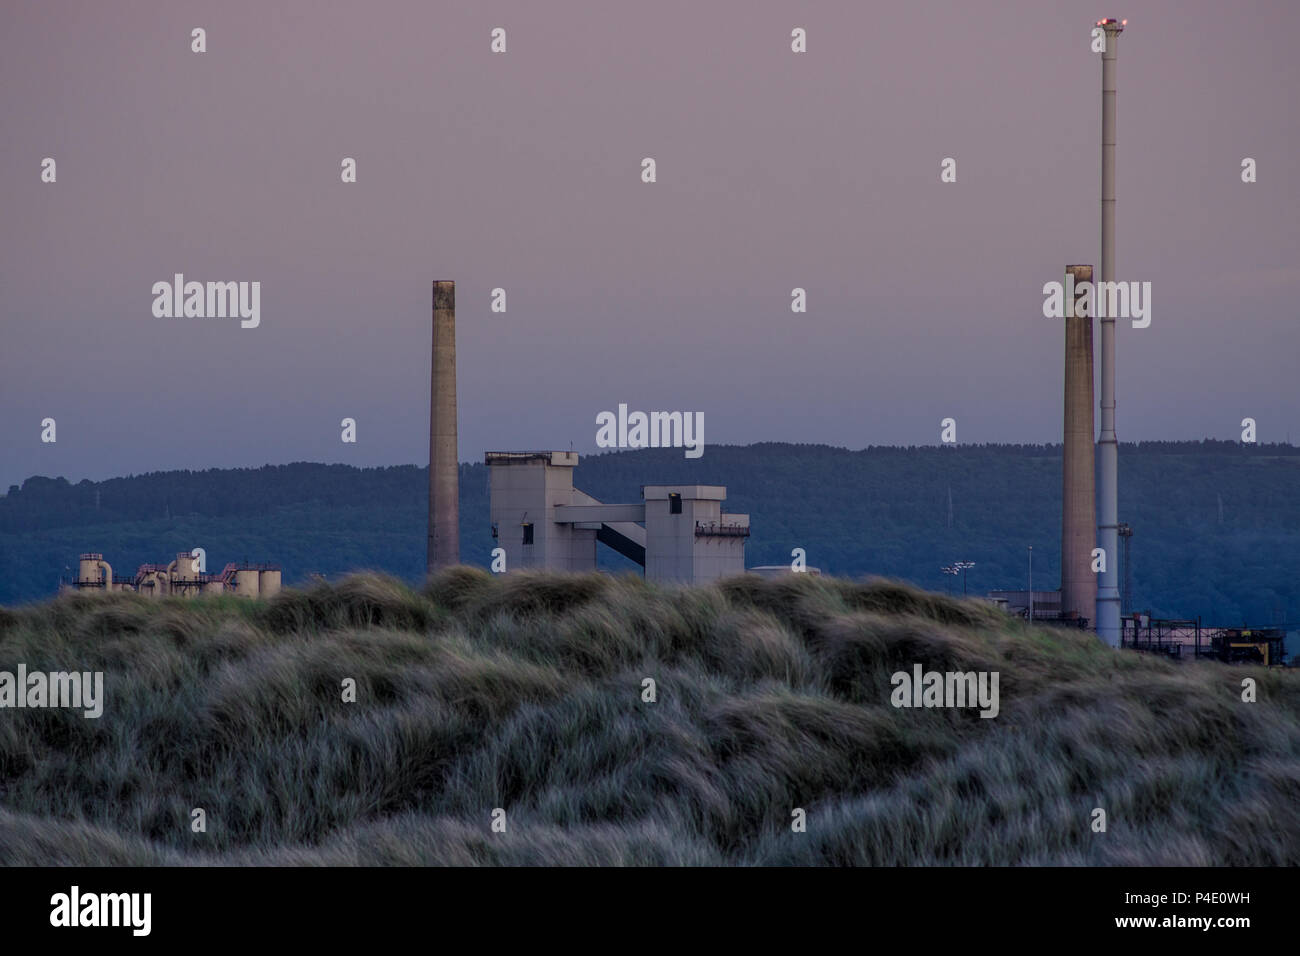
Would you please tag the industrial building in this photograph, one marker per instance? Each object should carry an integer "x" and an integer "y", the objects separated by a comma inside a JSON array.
[
  {"x": 677, "y": 533},
  {"x": 1192, "y": 640},
  {"x": 1046, "y": 604},
  {"x": 181, "y": 578}
]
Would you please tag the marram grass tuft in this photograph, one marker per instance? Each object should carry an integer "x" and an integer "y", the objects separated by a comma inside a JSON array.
[{"x": 525, "y": 693}]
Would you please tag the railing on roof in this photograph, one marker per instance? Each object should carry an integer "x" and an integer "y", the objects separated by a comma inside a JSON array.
[{"x": 716, "y": 529}]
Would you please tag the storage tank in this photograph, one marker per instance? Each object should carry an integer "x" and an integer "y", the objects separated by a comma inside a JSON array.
[
  {"x": 268, "y": 583},
  {"x": 154, "y": 584},
  {"x": 213, "y": 587},
  {"x": 88, "y": 570},
  {"x": 186, "y": 567},
  {"x": 246, "y": 582}
]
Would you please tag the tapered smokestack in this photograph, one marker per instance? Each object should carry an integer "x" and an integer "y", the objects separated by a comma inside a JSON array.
[
  {"x": 1078, "y": 502},
  {"x": 1108, "y": 623},
  {"x": 444, "y": 464}
]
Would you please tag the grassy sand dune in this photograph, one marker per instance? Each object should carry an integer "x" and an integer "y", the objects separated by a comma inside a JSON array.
[{"x": 525, "y": 693}]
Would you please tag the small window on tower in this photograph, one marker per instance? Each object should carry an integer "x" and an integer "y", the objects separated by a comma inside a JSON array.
[
  {"x": 528, "y": 533},
  {"x": 674, "y": 503}
]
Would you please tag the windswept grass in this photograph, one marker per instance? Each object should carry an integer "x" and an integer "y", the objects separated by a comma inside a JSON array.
[{"x": 524, "y": 692}]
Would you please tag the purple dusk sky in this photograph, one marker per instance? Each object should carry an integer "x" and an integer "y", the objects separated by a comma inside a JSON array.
[{"x": 522, "y": 170}]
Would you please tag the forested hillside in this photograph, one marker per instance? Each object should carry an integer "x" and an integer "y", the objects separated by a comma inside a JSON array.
[{"x": 1216, "y": 524}]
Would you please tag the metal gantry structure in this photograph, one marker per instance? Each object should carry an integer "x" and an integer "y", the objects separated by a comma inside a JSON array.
[{"x": 1191, "y": 639}]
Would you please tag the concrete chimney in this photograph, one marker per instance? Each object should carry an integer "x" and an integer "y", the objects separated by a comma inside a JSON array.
[
  {"x": 444, "y": 464},
  {"x": 1078, "y": 499},
  {"x": 1108, "y": 613}
]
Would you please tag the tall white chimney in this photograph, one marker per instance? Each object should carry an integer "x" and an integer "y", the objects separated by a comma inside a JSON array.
[{"x": 1108, "y": 610}]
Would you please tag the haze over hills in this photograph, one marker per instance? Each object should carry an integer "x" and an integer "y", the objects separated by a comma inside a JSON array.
[{"x": 1217, "y": 524}]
